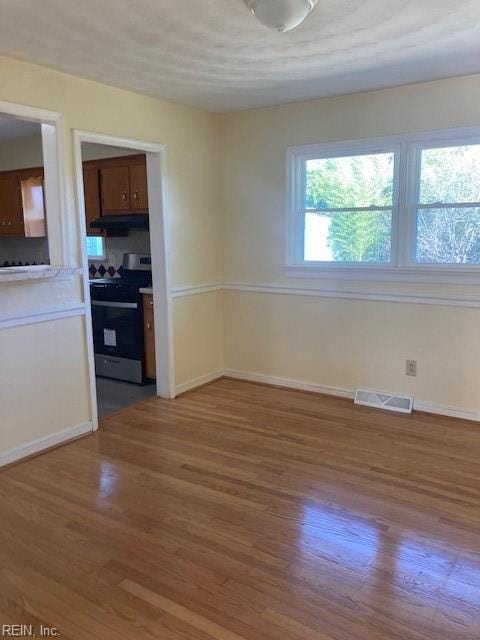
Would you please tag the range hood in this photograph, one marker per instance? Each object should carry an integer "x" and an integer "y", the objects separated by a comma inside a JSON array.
[{"x": 122, "y": 222}]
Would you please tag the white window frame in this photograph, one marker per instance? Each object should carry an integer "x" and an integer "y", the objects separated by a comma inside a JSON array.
[
  {"x": 52, "y": 130},
  {"x": 406, "y": 186}
]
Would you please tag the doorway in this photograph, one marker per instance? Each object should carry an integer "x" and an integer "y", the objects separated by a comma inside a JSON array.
[{"x": 122, "y": 215}]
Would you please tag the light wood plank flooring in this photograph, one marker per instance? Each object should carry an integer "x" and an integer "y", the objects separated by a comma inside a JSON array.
[{"x": 241, "y": 511}]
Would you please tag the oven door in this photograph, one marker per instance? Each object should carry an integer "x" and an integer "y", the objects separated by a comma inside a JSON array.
[{"x": 117, "y": 329}]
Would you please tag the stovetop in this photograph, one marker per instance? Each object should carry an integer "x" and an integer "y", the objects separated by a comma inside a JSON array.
[{"x": 125, "y": 289}]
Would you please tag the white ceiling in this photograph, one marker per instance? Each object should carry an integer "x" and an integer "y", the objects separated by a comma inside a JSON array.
[{"x": 214, "y": 54}]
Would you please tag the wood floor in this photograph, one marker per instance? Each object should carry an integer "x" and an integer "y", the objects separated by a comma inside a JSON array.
[{"x": 241, "y": 511}]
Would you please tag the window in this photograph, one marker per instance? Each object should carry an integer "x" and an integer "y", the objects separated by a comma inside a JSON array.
[
  {"x": 348, "y": 208},
  {"x": 448, "y": 208},
  {"x": 398, "y": 203},
  {"x": 95, "y": 247}
]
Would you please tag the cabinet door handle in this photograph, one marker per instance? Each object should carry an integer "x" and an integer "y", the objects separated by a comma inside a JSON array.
[
  {"x": 9, "y": 223},
  {"x": 124, "y": 196},
  {"x": 135, "y": 195},
  {"x": 149, "y": 326}
]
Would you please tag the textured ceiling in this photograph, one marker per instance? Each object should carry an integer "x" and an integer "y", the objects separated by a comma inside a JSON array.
[{"x": 214, "y": 54}]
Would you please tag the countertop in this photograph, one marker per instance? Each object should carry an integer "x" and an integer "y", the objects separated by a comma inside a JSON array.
[
  {"x": 146, "y": 290},
  {"x": 36, "y": 272}
]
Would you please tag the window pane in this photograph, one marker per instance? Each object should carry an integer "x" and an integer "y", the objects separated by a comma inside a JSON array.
[
  {"x": 356, "y": 181},
  {"x": 95, "y": 247},
  {"x": 450, "y": 175},
  {"x": 448, "y": 236},
  {"x": 352, "y": 236}
]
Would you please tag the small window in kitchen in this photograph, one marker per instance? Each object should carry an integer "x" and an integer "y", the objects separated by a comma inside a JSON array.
[{"x": 95, "y": 248}]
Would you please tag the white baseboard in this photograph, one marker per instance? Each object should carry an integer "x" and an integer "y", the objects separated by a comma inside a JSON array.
[
  {"x": 445, "y": 410},
  {"x": 36, "y": 446},
  {"x": 197, "y": 382},
  {"x": 290, "y": 383},
  {"x": 418, "y": 405}
]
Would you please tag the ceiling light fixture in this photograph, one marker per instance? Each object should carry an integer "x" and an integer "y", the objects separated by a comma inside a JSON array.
[{"x": 281, "y": 15}]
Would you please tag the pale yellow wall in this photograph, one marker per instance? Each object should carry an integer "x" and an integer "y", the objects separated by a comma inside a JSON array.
[
  {"x": 43, "y": 380},
  {"x": 341, "y": 343},
  {"x": 320, "y": 340},
  {"x": 197, "y": 350},
  {"x": 192, "y": 143}
]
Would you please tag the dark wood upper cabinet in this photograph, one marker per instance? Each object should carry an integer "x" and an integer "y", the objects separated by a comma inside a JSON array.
[
  {"x": 138, "y": 187},
  {"x": 115, "y": 189},
  {"x": 22, "y": 203},
  {"x": 91, "y": 187},
  {"x": 11, "y": 211},
  {"x": 114, "y": 186}
]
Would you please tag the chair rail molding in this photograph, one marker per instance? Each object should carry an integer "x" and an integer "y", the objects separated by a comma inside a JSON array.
[
  {"x": 46, "y": 314},
  {"x": 355, "y": 294},
  {"x": 450, "y": 300}
]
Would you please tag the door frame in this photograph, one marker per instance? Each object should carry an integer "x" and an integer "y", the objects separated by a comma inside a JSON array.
[{"x": 159, "y": 243}]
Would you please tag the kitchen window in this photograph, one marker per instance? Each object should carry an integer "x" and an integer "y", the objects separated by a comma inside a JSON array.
[
  {"x": 400, "y": 206},
  {"x": 95, "y": 247}
]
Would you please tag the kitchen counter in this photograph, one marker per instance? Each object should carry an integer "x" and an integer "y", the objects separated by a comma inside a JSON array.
[
  {"x": 36, "y": 272},
  {"x": 146, "y": 290}
]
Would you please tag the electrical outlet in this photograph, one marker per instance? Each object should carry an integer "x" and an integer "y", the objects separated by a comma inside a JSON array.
[{"x": 411, "y": 368}]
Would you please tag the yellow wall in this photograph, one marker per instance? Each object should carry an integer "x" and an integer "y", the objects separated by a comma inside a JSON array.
[
  {"x": 327, "y": 341},
  {"x": 43, "y": 381}
]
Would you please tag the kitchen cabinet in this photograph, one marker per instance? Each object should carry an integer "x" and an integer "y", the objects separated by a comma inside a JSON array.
[
  {"x": 11, "y": 211},
  {"x": 114, "y": 186},
  {"x": 115, "y": 189},
  {"x": 149, "y": 336},
  {"x": 22, "y": 204},
  {"x": 91, "y": 188},
  {"x": 33, "y": 207},
  {"x": 138, "y": 187}
]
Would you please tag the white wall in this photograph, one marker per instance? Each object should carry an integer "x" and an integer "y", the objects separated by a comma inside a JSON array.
[
  {"x": 324, "y": 340},
  {"x": 43, "y": 386},
  {"x": 21, "y": 153}
]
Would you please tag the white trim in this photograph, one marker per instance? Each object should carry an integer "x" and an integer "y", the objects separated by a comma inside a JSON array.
[
  {"x": 446, "y": 410},
  {"x": 160, "y": 247},
  {"x": 330, "y": 292},
  {"x": 472, "y": 302},
  {"x": 290, "y": 383},
  {"x": 383, "y": 273},
  {"x": 28, "y": 112},
  {"x": 181, "y": 292},
  {"x": 52, "y": 127},
  {"x": 22, "y": 318},
  {"x": 198, "y": 382},
  {"x": 160, "y": 234},
  {"x": 40, "y": 444}
]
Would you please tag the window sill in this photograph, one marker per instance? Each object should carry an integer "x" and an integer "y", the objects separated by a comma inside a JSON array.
[
  {"x": 413, "y": 275},
  {"x": 12, "y": 275}
]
